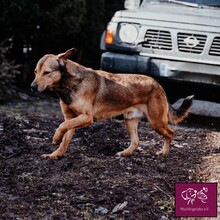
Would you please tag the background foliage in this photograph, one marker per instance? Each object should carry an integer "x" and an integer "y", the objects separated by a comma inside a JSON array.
[
  {"x": 8, "y": 72},
  {"x": 53, "y": 26}
]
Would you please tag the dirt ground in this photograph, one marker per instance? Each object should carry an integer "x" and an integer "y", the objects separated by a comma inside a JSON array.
[{"x": 90, "y": 182}]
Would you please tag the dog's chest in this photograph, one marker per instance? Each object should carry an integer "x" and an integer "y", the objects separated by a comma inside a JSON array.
[{"x": 65, "y": 97}]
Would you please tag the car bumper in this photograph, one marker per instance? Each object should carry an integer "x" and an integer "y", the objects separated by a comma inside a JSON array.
[{"x": 161, "y": 68}]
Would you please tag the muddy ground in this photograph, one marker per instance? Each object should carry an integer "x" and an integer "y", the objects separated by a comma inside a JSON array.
[{"x": 90, "y": 182}]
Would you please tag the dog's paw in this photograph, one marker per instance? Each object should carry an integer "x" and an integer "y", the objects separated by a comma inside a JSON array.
[
  {"x": 50, "y": 156},
  {"x": 162, "y": 153},
  {"x": 56, "y": 141},
  {"x": 57, "y": 138},
  {"x": 124, "y": 153}
]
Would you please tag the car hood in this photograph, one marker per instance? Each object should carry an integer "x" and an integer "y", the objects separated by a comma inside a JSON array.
[{"x": 175, "y": 13}]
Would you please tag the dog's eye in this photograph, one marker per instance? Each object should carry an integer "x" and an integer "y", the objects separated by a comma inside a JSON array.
[{"x": 46, "y": 72}]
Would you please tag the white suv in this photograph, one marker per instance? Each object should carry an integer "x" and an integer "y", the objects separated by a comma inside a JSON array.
[{"x": 172, "y": 39}]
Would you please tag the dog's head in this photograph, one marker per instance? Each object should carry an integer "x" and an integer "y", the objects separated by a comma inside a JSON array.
[{"x": 49, "y": 70}]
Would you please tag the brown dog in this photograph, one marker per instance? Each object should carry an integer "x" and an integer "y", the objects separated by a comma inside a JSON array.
[{"x": 86, "y": 94}]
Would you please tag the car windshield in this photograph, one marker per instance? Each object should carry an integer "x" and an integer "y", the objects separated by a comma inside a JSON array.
[{"x": 193, "y": 3}]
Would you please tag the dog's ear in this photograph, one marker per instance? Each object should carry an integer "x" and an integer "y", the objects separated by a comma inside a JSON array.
[{"x": 67, "y": 54}]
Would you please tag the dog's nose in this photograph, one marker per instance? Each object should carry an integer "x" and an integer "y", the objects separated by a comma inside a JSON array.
[{"x": 34, "y": 87}]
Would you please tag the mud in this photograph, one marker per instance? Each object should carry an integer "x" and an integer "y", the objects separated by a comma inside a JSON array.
[{"x": 90, "y": 181}]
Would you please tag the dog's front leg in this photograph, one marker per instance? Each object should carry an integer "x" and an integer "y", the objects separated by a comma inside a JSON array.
[
  {"x": 59, "y": 134},
  {"x": 68, "y": 115},
  {"x": 81, "y": 121},
  {"x": 65, "y": 132},
  {"x": 63, "y": 146}
]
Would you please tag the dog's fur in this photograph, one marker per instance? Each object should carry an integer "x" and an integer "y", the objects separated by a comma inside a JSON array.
[{"x": 86, "y": 94}]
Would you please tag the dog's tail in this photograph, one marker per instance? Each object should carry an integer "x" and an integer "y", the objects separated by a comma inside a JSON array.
[{"x": 175, "y": 116}]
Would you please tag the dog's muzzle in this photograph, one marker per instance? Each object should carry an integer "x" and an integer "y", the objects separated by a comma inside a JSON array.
[{"x": 35, "y": 88}]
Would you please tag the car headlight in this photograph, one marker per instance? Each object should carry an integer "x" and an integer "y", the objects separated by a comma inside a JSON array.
[{"x": 128, "y": 33}]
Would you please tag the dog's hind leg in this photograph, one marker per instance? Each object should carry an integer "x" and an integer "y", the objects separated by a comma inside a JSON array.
[
  {"x": 157, "y": 115},
  {"x": 168, "y": 134},
  {"x": 132, "y": 127},
  {"x": 162, "y": 128}
]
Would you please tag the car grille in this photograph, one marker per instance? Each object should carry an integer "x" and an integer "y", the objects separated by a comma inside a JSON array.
[
  {"x": 158, "y": 39},
  {"x": 215, "y": 48},
  {"x": 191, "y": 43}
]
